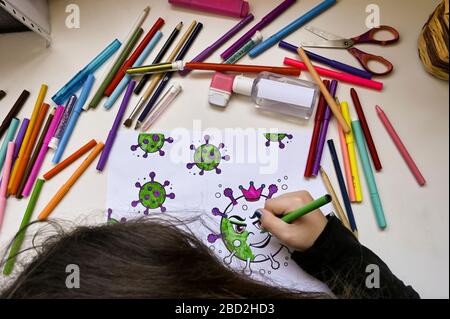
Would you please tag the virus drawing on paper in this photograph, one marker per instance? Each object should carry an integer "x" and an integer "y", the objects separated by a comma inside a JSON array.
[
  {"x": 151, "y": 144},
  {"x": 152, "y": 194},
  {"x": 240, "y": 229},
  {"x": 113, "y": 221},
  {"x": 280, "y": 139},
  {"x": 208, "y": 157}
]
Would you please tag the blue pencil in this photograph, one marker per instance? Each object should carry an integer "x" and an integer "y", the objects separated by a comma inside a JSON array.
[
  {"x": 340, "y": 177},
  {"x": 77, "y": 109},
  {"x": 280, "y": 35}
]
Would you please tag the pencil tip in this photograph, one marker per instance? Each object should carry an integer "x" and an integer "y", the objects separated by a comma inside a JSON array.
[
  {"x": 180, "y": 25},
  {"x": 128, "y": 123},
  {"x": 147, "y": 9},
  {"x": 138, "y": 125},
  {"x": 378, "y": 108}
]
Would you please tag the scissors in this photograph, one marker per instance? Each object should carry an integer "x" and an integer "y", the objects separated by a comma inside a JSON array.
[{"x": 337, "y": 42}]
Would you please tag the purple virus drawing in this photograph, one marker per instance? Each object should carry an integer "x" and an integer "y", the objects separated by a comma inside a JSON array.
[
  {"x": 113, "y": 221},
  {"x": 281, "y": 139},
  {"x": 240, "y": 228},
  {"x": 152, "y": 195},
  {"x": 208, "y": 157},
  {"x": 151, "y": 143}
]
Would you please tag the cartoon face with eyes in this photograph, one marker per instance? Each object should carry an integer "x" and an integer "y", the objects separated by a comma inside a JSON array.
[{"x": 240, "y": 228}]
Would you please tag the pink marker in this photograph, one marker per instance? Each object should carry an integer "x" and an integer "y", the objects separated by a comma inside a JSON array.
[
  {"x": 6, "y": 174},
  {"x": 232, "y": 8},
  {"x": 401, "y": 147},
  {"x": 341, "y": 76},
  {"x": 40, "y": 159}
]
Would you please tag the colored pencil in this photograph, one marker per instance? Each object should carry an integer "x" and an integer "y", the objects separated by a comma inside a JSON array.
[
  {"x": 4, "y": 186},
  {"x": 314, "y": 205},
  {"x": 19, "y": 139},
  {"x": 293, "y": 26},
  {"x": 71, "y": 181},
  {"x": 318, "y": 120},
  {"x": 134, "y": 56},
  {"x": 400, "y": 146},
  {"x": 42, "y": 152},
  {"x": 35, "y": 154},
  {"x": 22, "y": 165},
  {"x": 26, "y": 139},
  {"x": 366, "y": 130},
  {"x": 115, "y": 68},
  {"x": 368, "y": 172},
  {"x": 336, "y": 203},
  {"x": 159, "y": 57},
  {"x": 340, "y": 177},
  {"x": 165, "y": 80},
  {"x": 206, "y": 53},
  {"x": 347, "y": 166},
  {"x": 18, "y": 240},
  {"x": 13, "y": 112},
  {"x": 68, "y": 161},
  {"x": 77, "y": 109},
  {"x": 9, "y": 138},
  {"x": 324, "y": 131},
  {"x": 330, "y": 100},
  {"x": 350, "y": 139},
  {"x": 113, "y": 132},
  {"x": 157, "y": 78}
]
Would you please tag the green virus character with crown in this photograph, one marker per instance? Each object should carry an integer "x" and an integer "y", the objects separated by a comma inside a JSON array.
[
  {"x": 208, "y": 157},
  {"x": 277, "y": 138},
  {"x": 151, "y": 143},
  {"x": 240, "y": 228},
  {"x": 152, "y": 195}
]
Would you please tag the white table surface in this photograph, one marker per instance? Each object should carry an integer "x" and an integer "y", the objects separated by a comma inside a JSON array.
[{"x": 416, "y": 243}]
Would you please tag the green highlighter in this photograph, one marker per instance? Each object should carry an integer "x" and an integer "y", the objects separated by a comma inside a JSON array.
[{"x": 293, "y": 216}]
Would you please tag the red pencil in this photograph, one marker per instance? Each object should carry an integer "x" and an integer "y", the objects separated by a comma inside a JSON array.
[
  {"x": 129, "y": 63},
  {"x": 366, "y": 131},
  {"x": 316, "y": 133}
]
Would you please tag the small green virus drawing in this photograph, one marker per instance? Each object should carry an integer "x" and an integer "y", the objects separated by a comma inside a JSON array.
[
  {"x": 208, "y": 157},
  {"x": 151, "y": 143},
  {"x": 277, "y": 138},
  {"x": 113, "y": 221},
  {"x": 152, "y": 195}
]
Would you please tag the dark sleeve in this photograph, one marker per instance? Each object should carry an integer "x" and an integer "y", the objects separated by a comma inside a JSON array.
[{"x": 340, "y": 261}]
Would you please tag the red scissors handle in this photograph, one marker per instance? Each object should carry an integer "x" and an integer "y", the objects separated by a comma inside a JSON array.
[
  {"x": 370, "y": 36},
  {"x": 365, "y": 58}
]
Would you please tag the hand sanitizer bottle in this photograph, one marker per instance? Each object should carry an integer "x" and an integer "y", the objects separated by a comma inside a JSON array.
[{"x": 280, "y": 94}]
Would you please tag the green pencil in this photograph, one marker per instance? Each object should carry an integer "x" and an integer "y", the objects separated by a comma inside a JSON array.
[
  {"x": 115, "y": 68},
  {"x": 17, "y": 244},
  {"x": 293, "y": 216}
]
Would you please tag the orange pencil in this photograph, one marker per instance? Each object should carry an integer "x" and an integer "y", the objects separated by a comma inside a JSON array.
[
  {"x": 22, "y": 165},
  {"x": 26, "y": 139},
  {"x": 72, "y": 180},
  {"x": 68, "y": 161}
]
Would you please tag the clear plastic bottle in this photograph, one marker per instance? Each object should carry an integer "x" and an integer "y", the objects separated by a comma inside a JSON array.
[{"x": 280, "y": 94}]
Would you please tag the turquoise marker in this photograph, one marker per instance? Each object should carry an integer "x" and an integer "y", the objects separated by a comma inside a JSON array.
[
  {"x": 127, "y": 78},
  {"x": 368, "y": 172},
  {"x": 295, "y": 25},
  {"x": 9, "y": 138},
  {"x": 74, "y": 118}
]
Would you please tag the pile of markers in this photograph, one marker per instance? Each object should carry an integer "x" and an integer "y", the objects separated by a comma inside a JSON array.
[{"x": 22, "y": 155}]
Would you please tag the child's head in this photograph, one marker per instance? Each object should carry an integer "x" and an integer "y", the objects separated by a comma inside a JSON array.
[{"x": 137, "y": 259}]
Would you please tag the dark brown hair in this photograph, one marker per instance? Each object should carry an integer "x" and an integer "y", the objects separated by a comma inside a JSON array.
[{"x": 137, "y": 259}]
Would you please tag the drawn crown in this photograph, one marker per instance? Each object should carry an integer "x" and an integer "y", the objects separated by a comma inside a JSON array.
[{"x": 252, "y": 194}]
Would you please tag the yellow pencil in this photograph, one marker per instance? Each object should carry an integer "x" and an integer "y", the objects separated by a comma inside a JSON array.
[
  {"x": 352, "y": 154},
  {"x": 26, "y": 139},
  {"x": 70, "y": 182}
]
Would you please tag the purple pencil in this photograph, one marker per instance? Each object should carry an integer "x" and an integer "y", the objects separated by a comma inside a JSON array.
[
  {"x": 18, "y": 142},
  {"x": 271, "y": 16},
  {"x": 216, "y": 45},
  {"x": 324, "y": 131},
  {"x": 113, "y": 132}
]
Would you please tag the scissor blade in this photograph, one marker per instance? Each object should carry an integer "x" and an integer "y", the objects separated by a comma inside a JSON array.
[
  {"x": 322, "y": 33},
  {"x": 331, "y": 44}
]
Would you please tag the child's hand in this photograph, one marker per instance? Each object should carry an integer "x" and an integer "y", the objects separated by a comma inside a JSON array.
[{"x": 302, "y": 233}]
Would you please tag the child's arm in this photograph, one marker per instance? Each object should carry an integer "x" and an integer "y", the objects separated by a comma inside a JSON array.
[{"x": 329, "y": 252}]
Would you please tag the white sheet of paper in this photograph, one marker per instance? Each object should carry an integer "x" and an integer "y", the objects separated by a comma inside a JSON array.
[{"x": 163, "y": 183}]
